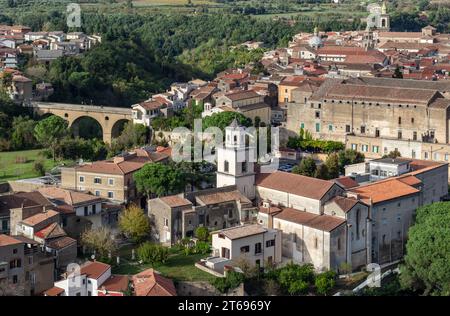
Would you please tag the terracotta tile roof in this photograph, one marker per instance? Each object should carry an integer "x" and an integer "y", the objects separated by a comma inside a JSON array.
[
  {"x": 242, "y": 95},
  {"x": 26, "y": 199},
  {"x": 222, "y": 197},
  {"x": 94, "y": 269},
  {"x": 400, "y": 34},
  {"x": 175, "y": 201},
  {"x": 54, "y": 291},
  {"x": 152, "y": 105},
  {"x": 6, "y": 240},
  {"x": 150, "y": 283},
  {"x": 68, "y": 196},
  {"x": 320, "y": 222},
  {"x": 116, "y": 283},
  {"x": 295, "y": 184},
  {"x": 51, "y": 231},
  {"x": 346, "y": 182},
  {"x": 382, "y": 94},
  {"x": 40, "y": 217},
  {"x": 242, "y": 231},
  {"x": 384, "y": 190},
  {"x": 61, "y": 243},
  {"x": 109, "y": 167},
  {"x": 410, "y": 180},
  {"x": 345, "y": 203}
]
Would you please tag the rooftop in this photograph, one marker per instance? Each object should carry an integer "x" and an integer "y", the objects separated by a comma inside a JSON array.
[
  {"x": 150, "y": 283},
  {"x": 94, "y": 269},
  {"x": 295, "y": 184},
  {"x": 39, "y": 218},
  {"x": 321, "y": 222},
  {"x": 6, "y": 240},
  {"x": 242, "y": 231}
]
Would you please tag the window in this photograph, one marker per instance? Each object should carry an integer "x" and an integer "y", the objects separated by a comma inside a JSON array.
[
  {"x": 347, "y": 128},
  {"x": 412, "y": 120},
  {"x": 316, "y": 243},
  {"x": 230, "y": 213},
  {"x": 245, "y": 249},
  {"x": 399, "y": 120},
  {"x": 244, "y": 167},
  {"x": 15, "y": 279},
  {"x": 16, "y": 263},
  {"x": 399, "y": 135},
  {"x": 81, "y": 179},
  {"x": 317, "y": 115},
  {"x": 339, "y": 244},
  {"x": 78, "y": 294},
  {"x": 94, "y": 208},
  {"x": 302, "y": 125},
  {"x": 226, "y": 166},
  {"x": 111, "y": 181},
  {"x": 358, "y": 218},
  {"x": 446, "y": 157},
  {"x": 97, "y": 193},
  {"x": 317, "y": 127},
  {"x": 89, "y": 293},
  {"x": 270, "y": 243},
  {"x": 377, "y": 132},
  {"x": 4, "y": 225},
  {"x": 413, "y": 154},
  {"x": 363, "y": 129},
  {"x": 414, "y": 135},
  {"x": 97, "y": 180},
  {"x": 86, "y": 211},
  {"x": 354, "y": 146},
  {"x": 257, "y": 248},
  {"x": 166, "y": 222},
  {"x": 375, "y": 149},
  {"x": 425, "y": 154},
  {"x": 110, "y": 195},
  {"x": 330, "y": 127},
  {"x": 364, "y": 148},
  {"x": 15, "y": 250}
]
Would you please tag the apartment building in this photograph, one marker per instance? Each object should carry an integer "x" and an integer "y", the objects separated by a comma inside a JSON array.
[{"x": 111, "y": 179}]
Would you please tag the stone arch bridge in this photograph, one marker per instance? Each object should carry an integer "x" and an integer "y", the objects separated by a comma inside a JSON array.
[{"x": 110, "y": 119}]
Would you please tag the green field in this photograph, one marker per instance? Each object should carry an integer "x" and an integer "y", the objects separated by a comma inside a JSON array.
[
  {"x": 178, "y": 267},
  {"x": 19, "y": 164}
]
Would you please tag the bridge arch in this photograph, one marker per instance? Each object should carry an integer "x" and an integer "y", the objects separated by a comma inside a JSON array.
[
  {"x": 86, "y": 127},
  {"x": 110, "y": 119}
]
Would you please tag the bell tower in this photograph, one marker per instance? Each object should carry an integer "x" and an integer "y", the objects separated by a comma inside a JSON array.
[{"x": 235, "y": 163}]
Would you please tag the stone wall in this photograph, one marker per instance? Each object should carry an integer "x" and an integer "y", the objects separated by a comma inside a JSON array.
[{"x": 205, "y": 289}]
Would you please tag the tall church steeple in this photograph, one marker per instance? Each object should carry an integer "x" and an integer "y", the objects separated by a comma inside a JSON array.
[{"x": 235, "y": 165}]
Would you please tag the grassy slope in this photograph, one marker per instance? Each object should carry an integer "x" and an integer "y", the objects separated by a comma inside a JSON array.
[{"x": 11, "y": 170}]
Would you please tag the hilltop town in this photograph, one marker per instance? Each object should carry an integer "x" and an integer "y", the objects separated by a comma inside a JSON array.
[{"x": 358, "y": 156}]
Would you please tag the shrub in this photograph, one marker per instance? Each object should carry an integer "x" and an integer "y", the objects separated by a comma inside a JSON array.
[
  {"x": 202, "y": 247},
  {"x": 152, "y": 253},
  {"x": 202, "y": 233},
  {"x": 325, "y": 282},
  {"x": 296, "y": 279},
  {"x": 231, "y": 281},
  {"x": 39, "y": 167}
]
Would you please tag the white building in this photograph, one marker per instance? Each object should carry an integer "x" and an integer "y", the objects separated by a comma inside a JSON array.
[
  {"x": 235, "y": 161},
  {"x": 83, "y": 282},
  {"x": 257, "y": 245}
]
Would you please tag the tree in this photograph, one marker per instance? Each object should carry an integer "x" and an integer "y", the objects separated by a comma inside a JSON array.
[
  {"x": 152, "y": 253},
  {"x": 100, "y": 239},
  {"x": 332, "y": 164},
  {"x": 134, "y": 223},
  {"x": 393, "y": 154},
  {"x": 231, "y": 281},
  {"x": 23, "y": 133},
  {"x": 50, "y": 131},
  {"x": 159, "y": 179},
  {"x": 349, "y": 157},
  {"x": 325, "y": 282},
  {"x": 397, "y": 73},
  {"x": 307, "y": 167},
  {"x": 224, "y": 119},
  {"x": 133, "y": 135},
  {"x": 427, "y": 260},
  {"x": 39, "y": 167},
  {"x": 202, "y": 233},
  {"x": 296, "y": 279},
  {"x": 322, "y": 172}
]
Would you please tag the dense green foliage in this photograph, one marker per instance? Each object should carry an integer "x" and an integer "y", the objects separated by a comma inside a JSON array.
[
  {"x": 307, "y": 167},
  {"x": 159, "y": 179},
  {"x": 152, "y": 253},
  {"x": 224, "y": 119},
  {"x": 231, "y": 281},
  {"x": 427, "y": 260},
  {"x": 295, "y": 279},
  {"x": 134, "y": 223},
  {"x": 50, "y": 131},
  {"x": 306, "y": 142},
  {"x": 202, "y": 233}
]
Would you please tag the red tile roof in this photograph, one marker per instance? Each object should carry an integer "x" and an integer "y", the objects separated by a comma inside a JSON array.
[
  {"x": 295, "y": 184},
  {"x": 150, "y": 283},
  {"x": 94, "y": 269},
  {"x": 40, "y": 217},
  {"x": 320, "y": 222},
  {"x": 54, "y": 291},
  {"x": 384, "y": 190},
  {"x": 6, "y": 240}
]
